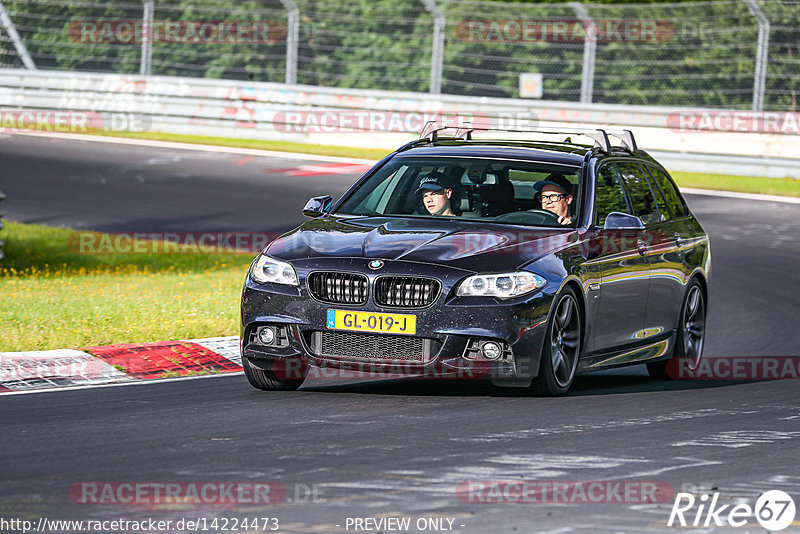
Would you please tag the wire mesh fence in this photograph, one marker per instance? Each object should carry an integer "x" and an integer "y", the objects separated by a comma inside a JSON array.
[
  {"x": 207, "y": 39},
  {"x": 783, "y": 68},
  {"x": 487, "y": 48},
  {"x": 742, "y": 54},
  {"x": 704, "y": 55},
  {"x": 362, "y": 44}
]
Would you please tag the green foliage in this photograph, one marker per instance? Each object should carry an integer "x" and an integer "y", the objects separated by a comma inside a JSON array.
[{"x": 52, "y": 32}]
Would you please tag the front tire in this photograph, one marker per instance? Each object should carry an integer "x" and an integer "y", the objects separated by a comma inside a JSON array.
[
  {"x": 689, "y": 340},
  {"x": 266, "y": 380},
  {"x": 562, "y": 347}
]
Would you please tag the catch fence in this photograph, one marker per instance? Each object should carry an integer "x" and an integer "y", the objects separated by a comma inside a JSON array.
[{"x": 731, "y": 54}]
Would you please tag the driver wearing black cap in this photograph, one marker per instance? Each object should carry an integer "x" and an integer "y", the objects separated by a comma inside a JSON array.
[
  {"x": 436, "y": 194},
  {"x": 556, "y": 196}
]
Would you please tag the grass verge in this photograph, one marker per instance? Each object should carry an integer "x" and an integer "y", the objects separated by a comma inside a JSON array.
[
  {"x": 56, "y": 297},
  {"x": 282, "y": 146},
  {"x": 720, "y": 182},
  {"x": 788, "y": 187}
]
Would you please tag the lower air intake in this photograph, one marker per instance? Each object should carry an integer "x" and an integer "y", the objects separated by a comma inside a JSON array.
[{"x": 373, "y": 347}]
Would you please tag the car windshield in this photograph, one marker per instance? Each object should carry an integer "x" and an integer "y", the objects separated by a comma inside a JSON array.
[{"x": 505, "y": 191}]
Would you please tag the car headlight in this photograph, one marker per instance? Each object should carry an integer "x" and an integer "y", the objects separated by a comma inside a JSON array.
[
  {"x": 269, "y": 270},
  {"x": 503, "y": 285}
]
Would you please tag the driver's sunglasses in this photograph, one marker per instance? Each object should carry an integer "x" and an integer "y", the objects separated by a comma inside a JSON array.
[{"x": 552, "y": 197}]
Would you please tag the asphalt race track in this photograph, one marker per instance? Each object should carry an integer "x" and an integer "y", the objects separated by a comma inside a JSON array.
[
  {"x": 112, "y": 187},
  {"x": 402, "y": 448}
]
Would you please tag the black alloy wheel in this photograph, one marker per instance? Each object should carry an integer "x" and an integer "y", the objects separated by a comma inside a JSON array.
[
  {"x": 689, "y": 341},
  {"x": 562, "y": 347}
]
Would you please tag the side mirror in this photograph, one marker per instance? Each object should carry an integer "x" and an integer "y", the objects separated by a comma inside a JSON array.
[
  {"x": 317, "y": 206},
  {"x": 622, "y": 221}
]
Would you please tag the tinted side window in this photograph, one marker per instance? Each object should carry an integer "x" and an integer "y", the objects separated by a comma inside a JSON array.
[
  {"x": 663, "y": 211},
  {"x": 644, "y": 204},
  {"x": 671, "y": 195},
  {"x": 609, "y": 195}
]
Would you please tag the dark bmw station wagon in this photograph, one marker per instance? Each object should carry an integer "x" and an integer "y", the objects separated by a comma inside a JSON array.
[{"x": 520, "y": 257}]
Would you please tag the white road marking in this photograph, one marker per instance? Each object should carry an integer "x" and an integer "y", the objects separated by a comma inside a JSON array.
[
  {"x": 693, "y": 462},
  {"x": 605, "y": 425},
  {"x": 735, "y": 439}
]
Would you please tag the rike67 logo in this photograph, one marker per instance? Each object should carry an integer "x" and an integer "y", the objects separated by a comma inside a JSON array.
[{"x": 774, "y": 510}]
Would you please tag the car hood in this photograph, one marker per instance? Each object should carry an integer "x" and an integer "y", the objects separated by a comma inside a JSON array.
[{"x": 473, "y": 246}]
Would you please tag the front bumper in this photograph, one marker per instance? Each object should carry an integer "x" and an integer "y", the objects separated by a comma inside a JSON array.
[{"x": 453, "y": 327}]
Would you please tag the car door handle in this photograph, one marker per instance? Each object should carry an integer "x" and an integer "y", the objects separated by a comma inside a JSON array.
[
  {"x": 641, "y": 246},
  {"x": 678, "y": 240}
]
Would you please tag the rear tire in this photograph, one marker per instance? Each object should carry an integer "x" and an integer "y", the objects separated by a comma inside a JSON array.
[
  {"x": 266, "y": 380},
  {"x": 562, "y": 347},
  {"x": 689, "y": 340}
]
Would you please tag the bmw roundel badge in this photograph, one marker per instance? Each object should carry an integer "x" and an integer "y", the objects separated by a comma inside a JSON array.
[{"x": 375, "y": 264}]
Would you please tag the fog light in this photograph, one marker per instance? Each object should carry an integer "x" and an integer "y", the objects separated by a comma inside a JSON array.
[
  {"x": 266, "y": 335},
  {"x": 491, "y": 350}
]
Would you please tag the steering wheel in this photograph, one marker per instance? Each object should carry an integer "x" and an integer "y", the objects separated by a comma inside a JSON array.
[{"x": 532, "y": 216}]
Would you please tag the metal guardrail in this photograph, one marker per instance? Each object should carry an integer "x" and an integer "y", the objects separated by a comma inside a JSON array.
[
  {"x": 225, "y": 108},
  {"x": 204, "y": 98}
]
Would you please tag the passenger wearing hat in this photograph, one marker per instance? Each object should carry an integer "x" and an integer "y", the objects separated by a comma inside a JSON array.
[
  {"x": 436, "y": 194},
  {"x": 556, "y": 196}
]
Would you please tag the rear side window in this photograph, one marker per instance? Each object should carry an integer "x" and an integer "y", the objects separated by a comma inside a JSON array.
[
  {"x": 642, "y": 198},
  {"x": 671, "y": 196},
  {"x": 609, "y": 195}
]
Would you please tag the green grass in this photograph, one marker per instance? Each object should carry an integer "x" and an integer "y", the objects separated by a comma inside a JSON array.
[
  {"x": 744, "y": 184},
  {"x": 283, "y": 146},
  {"x": 54, "y": 296},
  {"x": 789, "y": 187}
]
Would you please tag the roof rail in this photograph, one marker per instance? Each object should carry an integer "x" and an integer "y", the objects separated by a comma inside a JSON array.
[
  {"x": 432, "y": 129},
  {"x": 626, "y": 136}
]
